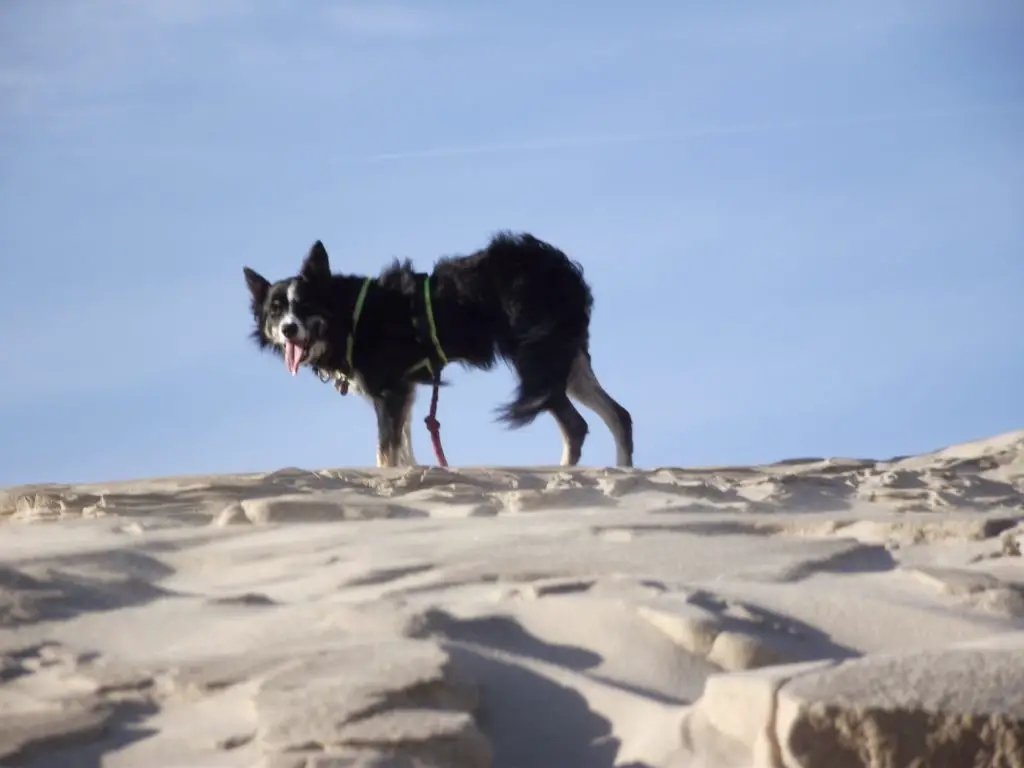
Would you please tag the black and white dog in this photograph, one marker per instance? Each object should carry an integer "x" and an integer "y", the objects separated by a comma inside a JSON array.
[{"x": 519, "y": 299}]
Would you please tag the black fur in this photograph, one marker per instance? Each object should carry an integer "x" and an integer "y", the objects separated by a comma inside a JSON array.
[{"x": 519, "y": 299}]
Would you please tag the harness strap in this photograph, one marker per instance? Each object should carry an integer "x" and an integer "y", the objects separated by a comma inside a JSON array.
[
  {"x": 423, "y": 315},
  {"x": 341, "y": 378},
  {"x": 426, "y": 329},
  {"x": 356, "y": 312},
  {"x": 429, "y": 305}
]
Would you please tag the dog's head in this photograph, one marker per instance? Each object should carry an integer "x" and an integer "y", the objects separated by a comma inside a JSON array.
[{"x": 292, "y": 315}]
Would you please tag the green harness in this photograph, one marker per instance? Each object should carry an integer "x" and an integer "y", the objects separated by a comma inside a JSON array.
[
  {"x": 350, "y": 342},
  {"x": 423, "y": 320},
  {"x": 426, "y": 330},
  {"x": 341, "y": 379},
  {"x": 424, "y": 325}
]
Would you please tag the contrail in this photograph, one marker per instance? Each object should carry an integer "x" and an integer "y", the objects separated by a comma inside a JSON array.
[{"x": 700, "y": 132}]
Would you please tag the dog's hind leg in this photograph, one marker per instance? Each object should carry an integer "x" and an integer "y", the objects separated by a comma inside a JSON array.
[
  {"x": 393, "y": 408},
  {"x": 573, "y": 428},
  {"x": 543, "y": 366},
  {"x": 584, "y": 386}
]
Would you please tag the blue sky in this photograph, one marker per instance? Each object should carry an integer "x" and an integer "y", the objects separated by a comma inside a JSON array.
[{"x": 802, "y": 220}]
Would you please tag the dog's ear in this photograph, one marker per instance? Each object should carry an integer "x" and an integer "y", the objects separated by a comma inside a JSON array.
[
  {"x": 316, "y": 265},
  {"x": 258, "y": 285}
]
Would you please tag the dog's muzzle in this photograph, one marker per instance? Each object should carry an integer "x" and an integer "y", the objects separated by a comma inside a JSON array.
[{"x": 299, "y": 341}]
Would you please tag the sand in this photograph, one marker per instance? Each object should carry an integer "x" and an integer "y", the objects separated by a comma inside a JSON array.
[{"x": 815, "y": 612}]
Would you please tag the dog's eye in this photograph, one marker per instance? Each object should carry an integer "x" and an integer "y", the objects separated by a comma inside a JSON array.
[{"x": 277, "y": 306}]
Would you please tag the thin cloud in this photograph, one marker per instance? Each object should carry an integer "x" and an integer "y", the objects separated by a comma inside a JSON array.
[
  {"x": 124, "y": 14},
  {"x": 381, "y": 20},
  {"x": 704, "y": 132},
  {"x": 93, "y": 47}
]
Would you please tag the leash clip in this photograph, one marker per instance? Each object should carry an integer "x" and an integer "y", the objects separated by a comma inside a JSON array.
[{"x": 340, "y": 380}]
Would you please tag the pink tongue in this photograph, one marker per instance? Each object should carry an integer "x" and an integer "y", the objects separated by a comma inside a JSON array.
[{"x": 292, "y": 357}]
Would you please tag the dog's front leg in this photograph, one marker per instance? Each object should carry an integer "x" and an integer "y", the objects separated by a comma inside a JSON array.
[
  {"x": 385, "y": 433},
  {"x": 393, "y": 408},
  {"x": 406, "y": 457}
]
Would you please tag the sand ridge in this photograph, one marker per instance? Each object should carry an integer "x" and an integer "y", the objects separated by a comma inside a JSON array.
[{"x": 794, "y": 614}]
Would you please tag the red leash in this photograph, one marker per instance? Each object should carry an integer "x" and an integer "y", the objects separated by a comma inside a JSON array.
[{"x": 434, "y": 426}]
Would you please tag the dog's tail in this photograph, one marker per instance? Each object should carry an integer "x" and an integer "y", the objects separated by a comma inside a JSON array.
[
  {"x": 524, "y": 409},
  {"x": 543, "y": 362},
  {"x": 545, "y": 305}
]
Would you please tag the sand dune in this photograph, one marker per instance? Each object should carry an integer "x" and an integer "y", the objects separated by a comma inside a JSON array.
[{"x": 815, "y": 612}]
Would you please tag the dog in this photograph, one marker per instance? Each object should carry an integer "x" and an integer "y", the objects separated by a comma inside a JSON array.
[{"x": 519, "y": 299}]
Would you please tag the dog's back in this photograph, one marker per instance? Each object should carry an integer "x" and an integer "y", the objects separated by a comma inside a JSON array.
[
  {"x": 524, "y": 300},
  {"x": 522, "y": 275}
]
